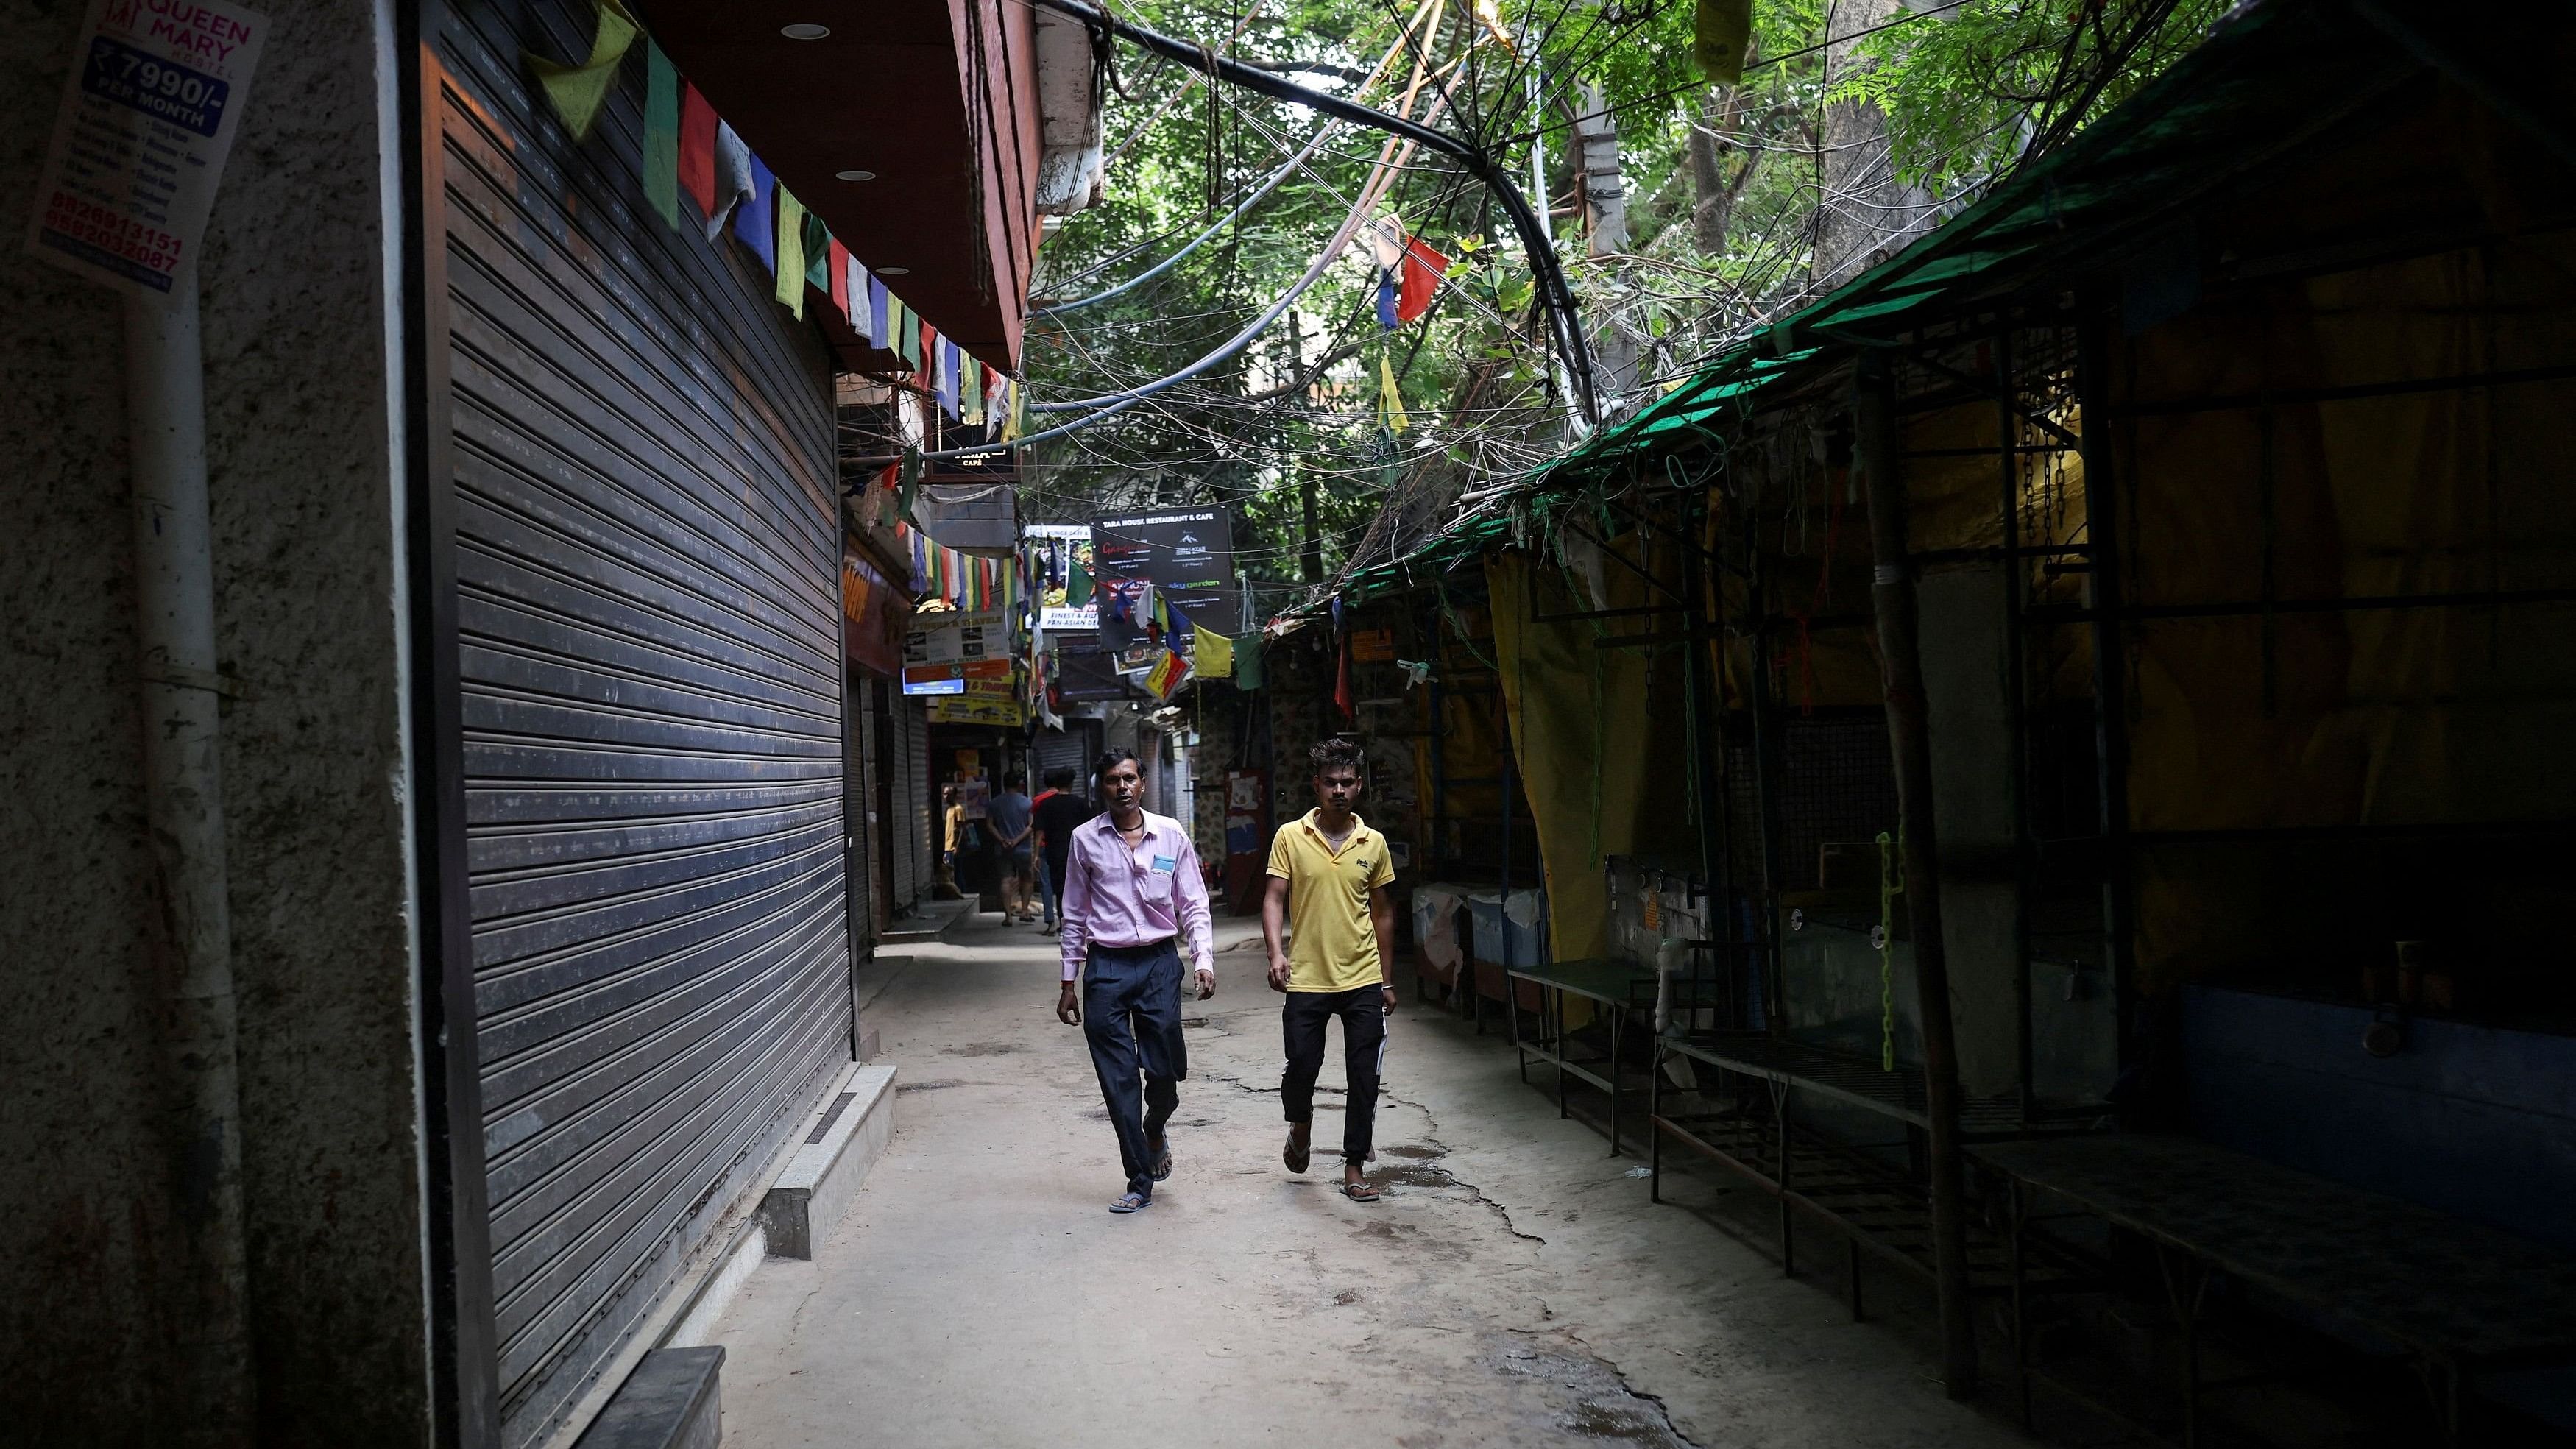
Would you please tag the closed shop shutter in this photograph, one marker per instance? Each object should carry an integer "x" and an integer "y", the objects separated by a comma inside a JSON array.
[
  {"x": 649, "y": 646},
  {"x": 859, "y": 786},
  {"x": 911, "y": 826},
  {"x": 1072, "y": 748}
]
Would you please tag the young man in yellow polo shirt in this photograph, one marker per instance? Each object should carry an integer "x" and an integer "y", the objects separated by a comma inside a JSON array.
[{"x": 1328, "y": 878}]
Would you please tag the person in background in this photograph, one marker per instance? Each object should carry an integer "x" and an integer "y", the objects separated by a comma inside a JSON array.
[
  {"x": 1058, "y": 811},
  {"x": 952, "y": 816},
  {"x": 1007, "y": 816},
  {"x": 1132, "y": 898},
  {"x": 1328, "y": 878}
]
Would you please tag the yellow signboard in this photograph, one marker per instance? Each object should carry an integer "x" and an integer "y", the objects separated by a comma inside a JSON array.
[{"x": 978, "y": 710}]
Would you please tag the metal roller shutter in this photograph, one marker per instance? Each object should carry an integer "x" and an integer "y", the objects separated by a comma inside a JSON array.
[
  {"x": 1072, "y": 748},
  {"x": 911, "y": 828},
  {"x": 649, "y": 635}
]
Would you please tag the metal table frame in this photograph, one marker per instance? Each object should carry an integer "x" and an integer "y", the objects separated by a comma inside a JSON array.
[{"x": 1620, "y": 987}]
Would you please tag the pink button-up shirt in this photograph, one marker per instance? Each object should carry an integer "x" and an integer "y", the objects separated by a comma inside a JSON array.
[{"x": 1117, "y": 897}]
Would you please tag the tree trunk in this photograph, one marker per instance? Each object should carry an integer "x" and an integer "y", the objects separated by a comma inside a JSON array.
[{"x": 1864, "y": 214}]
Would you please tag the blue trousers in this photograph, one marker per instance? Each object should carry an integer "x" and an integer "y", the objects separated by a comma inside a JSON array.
[{"x": 1131, "y": 1016}]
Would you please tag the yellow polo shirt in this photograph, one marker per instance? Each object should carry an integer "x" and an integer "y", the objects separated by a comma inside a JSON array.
[{"x": 1331, "y": 945}]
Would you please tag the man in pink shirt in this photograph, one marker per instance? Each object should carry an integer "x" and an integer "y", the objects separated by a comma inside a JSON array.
[{"x": 1133, "y": 897}]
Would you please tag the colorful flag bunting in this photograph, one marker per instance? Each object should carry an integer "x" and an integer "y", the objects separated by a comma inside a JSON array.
[
  {"x": 662, "y": 134},
  {"x": 735, "y": 175},
  {"x": 1166, "y": 675},
  {"x": 789, "y": 256},
  {"x": 836, "y": 263},
  {"x": 1423, "y": 271},
  {"x": 752, "y": 219},
  {"x": 697, "y": 159},
  {"x": 579, "y": 91},
  {"x": 818, "y": 254},
  {"x": 1211, "y": 653}
]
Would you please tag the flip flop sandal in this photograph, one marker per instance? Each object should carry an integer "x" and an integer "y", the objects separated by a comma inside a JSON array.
[
  {"x": 1294, "y": 1155},
  {"x": 1361, "y": 1192},
  {"x": 1134, "y": 1202},
  {"x": 1163, "y": 1164}
]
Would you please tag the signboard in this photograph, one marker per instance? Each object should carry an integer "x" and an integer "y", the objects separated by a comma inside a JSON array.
[
  {"x": 947, "y": 636},
  {"x": 989, "y": 678},
  {"x": 1058, "y": 547},
  {"x": 979, "y": 710},
  {"x": 149, "y": 112},
  {"x": 1187, "y": 555}
]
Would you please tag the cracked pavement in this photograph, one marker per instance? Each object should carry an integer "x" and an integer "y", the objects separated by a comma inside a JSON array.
[{"x": 1514, "y": 1287}]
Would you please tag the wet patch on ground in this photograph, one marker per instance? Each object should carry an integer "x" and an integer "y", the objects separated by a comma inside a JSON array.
[
  {"x": 1410, "y": 1149},
  {"x": 1411, "y": 1175}
]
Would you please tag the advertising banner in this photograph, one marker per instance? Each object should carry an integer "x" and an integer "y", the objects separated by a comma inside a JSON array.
[
  {"x": 1186, "y": 555},
  {"x": 1063, "y": 552},
  {"x": 148, "y": 115},
  {"x": 979, "y": 710},
  {"x": 947, "y": 636}
]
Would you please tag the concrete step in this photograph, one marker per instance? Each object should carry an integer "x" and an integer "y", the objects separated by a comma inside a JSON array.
[
  {"x": 929, "y": 921},
  {"x": 814, "y": 1189},
  {"x": 668, "y": 1402}
]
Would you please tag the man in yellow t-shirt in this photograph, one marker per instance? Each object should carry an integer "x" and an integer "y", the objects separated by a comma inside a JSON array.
[{"x": 1328, "y": 878}]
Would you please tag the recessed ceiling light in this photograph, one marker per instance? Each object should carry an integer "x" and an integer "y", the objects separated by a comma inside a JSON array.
[
  {"x": 856, "y": 175},
  {"x": 894, "y": 271},
  {"x": 804, "y": 32}
]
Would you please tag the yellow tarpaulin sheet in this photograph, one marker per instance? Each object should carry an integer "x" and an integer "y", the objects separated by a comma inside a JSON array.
[{"x": 1595, "y": 736}]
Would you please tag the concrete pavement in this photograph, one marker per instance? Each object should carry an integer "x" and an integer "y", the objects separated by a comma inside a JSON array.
[{"x": 1515, "y": 1286}]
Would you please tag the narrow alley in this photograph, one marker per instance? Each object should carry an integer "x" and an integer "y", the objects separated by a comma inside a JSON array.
[{"x": 1514, "y": 1287}]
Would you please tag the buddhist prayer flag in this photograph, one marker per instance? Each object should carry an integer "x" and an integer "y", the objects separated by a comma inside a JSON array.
[
  {"x": 836, "y": 264},
  {"x": 880, "y": 302},
  {"x": 790, "y": 256},
  {"x": 971, "y": 406},
  {"x": 1166, "y": 675},
  {"x": 734, "y": 188},
  {"x": 697, "y": 157},
  {"x": 1423, "y": 271},
  {"x": 662, "y": 134},
  {"x": 751, "y": 219},
  {"x": 578, "y": 91},
  {"x": 818, "y": 254},
  {"x": 1211, "y": 653},
  {"x": 1390, "y": 402}
]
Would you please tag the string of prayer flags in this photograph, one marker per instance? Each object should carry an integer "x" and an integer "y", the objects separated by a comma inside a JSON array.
[
  {"x": 788, "y": 255},
  {"x": 1211, "y": 653},
  {"x": 662, "y": 134},
  {"x": 1423, "y": 270},
  {"x": 1167, "y": 675},
  {"x": 697, "y": 158},
  {"x": 579, "y": 91}
]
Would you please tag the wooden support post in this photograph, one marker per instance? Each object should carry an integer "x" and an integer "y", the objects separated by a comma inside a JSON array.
[{"x": 1909, "y": 739}]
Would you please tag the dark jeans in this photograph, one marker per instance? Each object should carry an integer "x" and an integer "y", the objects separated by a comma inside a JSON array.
[
  {"x": 1363, "y": 1014},
  {"x": 1131, "y": 1015},
  {"x": 1051, "y": 886}
]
